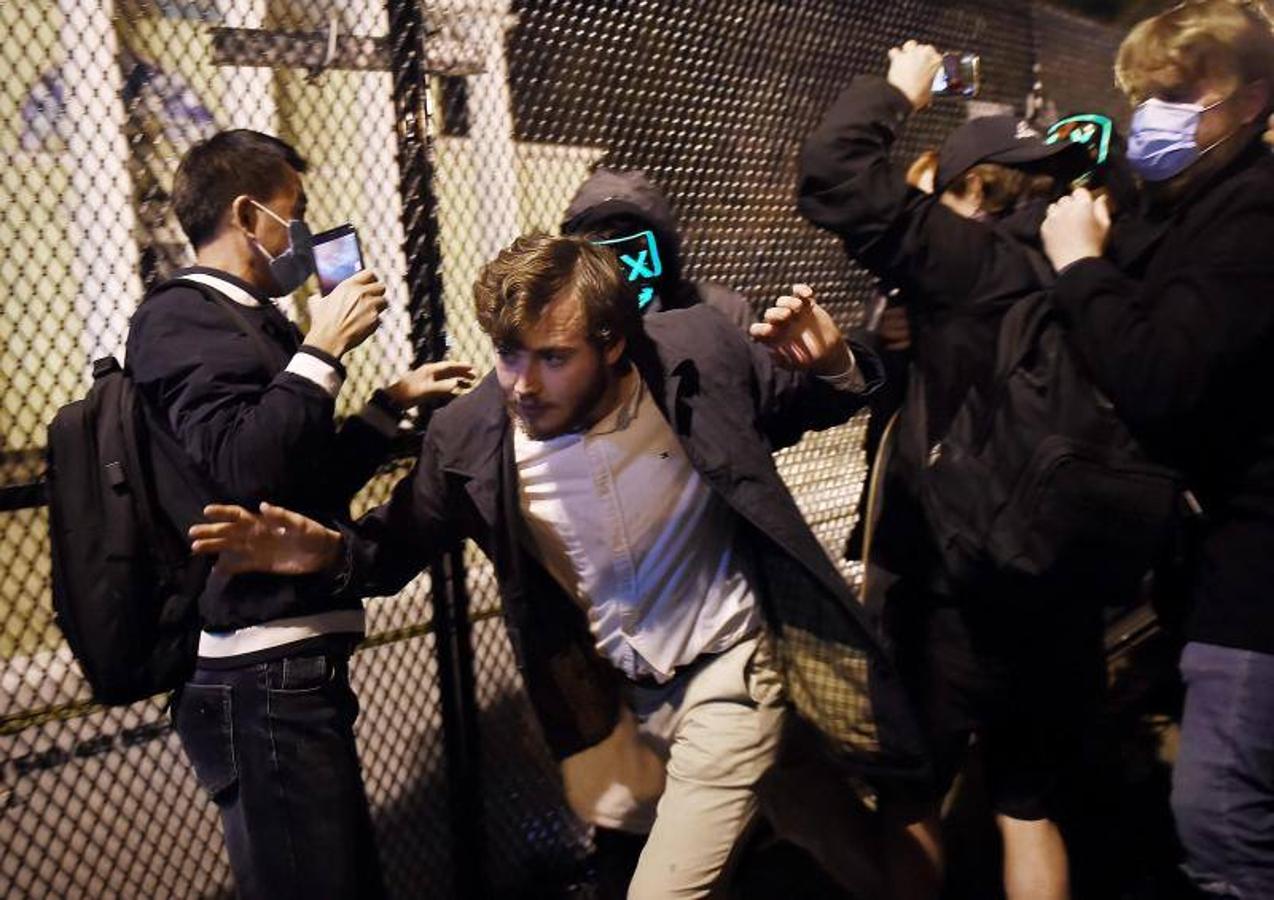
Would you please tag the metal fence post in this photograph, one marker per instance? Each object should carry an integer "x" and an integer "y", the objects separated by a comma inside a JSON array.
[
  {"x": 453, "y": 630},
  {"x": 428, "y": 339},
  {"x": 415, "y": 179}
]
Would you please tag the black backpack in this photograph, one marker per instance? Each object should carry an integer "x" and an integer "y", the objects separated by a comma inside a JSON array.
[
  {"x": 125, "y": 586},
  {"x": 1040, "y": 478}
]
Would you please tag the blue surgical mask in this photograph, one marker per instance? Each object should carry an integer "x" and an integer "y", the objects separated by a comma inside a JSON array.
[
  {"x": 639, "y": 256},
  {"x": 295, "y": 264},
  {"x": 1163, "y": 140}
]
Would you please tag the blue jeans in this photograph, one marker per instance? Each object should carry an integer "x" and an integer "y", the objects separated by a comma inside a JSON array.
[
  {"x": 273, "y": 745},
  {"x": 1223, "y": 783}
]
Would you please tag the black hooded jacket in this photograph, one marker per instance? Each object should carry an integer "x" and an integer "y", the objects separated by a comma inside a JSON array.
[
  {"x": 609, "y": 196},
  {"x": 1176, "y": 325},
  {"x": 958, "y": 275}
]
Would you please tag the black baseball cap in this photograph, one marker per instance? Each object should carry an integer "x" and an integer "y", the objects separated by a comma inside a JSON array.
[{"x": 1008, "y": 141}]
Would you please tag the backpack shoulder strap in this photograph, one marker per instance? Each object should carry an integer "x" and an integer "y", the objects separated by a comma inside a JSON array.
[
  {"x": 1020, "y": 331},
  {"x": 270, "y": 357},
  {"x": 130, "y": 419}
]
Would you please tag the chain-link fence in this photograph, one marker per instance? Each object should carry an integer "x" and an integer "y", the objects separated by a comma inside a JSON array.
[{"x": 441, "y": 130}]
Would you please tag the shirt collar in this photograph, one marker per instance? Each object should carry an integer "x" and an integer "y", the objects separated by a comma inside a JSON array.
[
  {"x": 235, "y": 288},
  {"x": 631, "y": 389}
]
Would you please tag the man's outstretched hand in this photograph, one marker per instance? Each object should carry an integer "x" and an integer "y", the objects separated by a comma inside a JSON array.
[
  {"x": 274, "y": 540},
  {"x": 801, "y": 335}
]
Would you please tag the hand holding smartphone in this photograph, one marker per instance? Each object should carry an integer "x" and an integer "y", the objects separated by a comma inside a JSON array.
[{"x": 920, "y": 72}]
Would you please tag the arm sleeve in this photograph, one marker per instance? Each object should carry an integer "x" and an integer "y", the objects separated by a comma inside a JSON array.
[
  {"x": 361, "y": 447},
  {"x": 251, "y": 430},
  {"x": 394, "y": 542},
  {"x": 1159, "y": 358},
  {"x": 791, "y": 403},
  {"x": 848, "y": 185}
]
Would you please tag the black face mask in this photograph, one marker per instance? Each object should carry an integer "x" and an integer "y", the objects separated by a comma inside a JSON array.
[
  {"x": 290, "y": 268},
  {"x": 639, "y": 261},
  {"x": 1110, "y": 171}
]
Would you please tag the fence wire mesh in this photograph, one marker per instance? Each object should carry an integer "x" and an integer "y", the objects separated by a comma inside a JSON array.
[{"x": 100, "y": 100}]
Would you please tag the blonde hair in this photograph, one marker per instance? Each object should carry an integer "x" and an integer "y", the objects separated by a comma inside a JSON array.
[{"x": 1229, "y": 41}]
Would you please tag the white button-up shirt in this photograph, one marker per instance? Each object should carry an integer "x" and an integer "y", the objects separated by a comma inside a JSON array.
[{"x": 627, "y": 526}]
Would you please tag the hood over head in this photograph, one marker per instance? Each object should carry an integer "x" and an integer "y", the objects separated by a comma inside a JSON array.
[{"x": 613, "y": 204}]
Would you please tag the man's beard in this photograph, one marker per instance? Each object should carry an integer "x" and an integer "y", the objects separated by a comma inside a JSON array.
[{"x": 581, "y": 415}]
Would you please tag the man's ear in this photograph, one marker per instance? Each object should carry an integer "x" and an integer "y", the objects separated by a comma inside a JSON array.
[
  {"x": 243, "y": 214},
  {"x": 614, "y": 350},
  {"x": 1253, "y": 100}
]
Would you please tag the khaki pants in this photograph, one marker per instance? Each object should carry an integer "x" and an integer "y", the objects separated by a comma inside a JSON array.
[{"x": 683, "y": 764}]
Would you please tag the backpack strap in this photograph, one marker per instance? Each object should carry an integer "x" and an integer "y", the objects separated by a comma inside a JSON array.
[
  {"x": 131, "y": 416},
  {"x": 268, "y": 355},
  {"x": 1020, "y": 332}
]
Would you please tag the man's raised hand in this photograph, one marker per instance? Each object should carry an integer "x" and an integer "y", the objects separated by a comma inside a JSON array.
[
  {"x": 912, "y": 68},
  {"x": 801, "y": 335},
  {"x": 346, "y": 317}
]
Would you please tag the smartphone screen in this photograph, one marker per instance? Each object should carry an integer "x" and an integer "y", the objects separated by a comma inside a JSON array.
[
  {"x": 959, "y": 75},
  {"x": 337, "y": 256}
]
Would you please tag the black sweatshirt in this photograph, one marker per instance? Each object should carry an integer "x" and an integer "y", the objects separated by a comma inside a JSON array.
[
  {"x": 1177, "y": 327},
  {"x": 257, "y": 431},
  {"x": 958, "y": 276}
]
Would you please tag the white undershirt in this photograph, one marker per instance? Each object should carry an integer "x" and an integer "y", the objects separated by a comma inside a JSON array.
[{"x": 626, "y": 525}]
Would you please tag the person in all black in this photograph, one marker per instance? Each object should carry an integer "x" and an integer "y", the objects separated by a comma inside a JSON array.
[
  {"x": 1004, "y": 664},
  {"x": 628, "y": 212},
  {"x": 887, "y": 332},
  {"x": 1172, "y": 310},
  {"x": 267, "y": 717}
]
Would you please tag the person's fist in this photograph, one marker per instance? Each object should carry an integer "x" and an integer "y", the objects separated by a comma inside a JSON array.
[
  {"x": 346, "y": 317},
  {"x": 1075, "y": 228},
  {"x": 912, "y": 68}
]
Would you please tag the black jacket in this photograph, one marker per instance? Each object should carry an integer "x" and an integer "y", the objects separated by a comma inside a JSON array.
[
  {"x": 1177, "y": 327},
  {"x": 958, "y": 277},
  {"x": 610, "y": 194},
  {"x": 257, "y": 432},
  {"x": 731, "y": 408}
]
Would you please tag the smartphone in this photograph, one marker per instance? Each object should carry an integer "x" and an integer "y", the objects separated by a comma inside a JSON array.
[
  {"x": 959, "y": 76},
  {"x": 337, "y": 256}
]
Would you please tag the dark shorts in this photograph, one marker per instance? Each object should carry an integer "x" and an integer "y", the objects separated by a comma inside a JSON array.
[{"x": 1021, "y": 678}]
